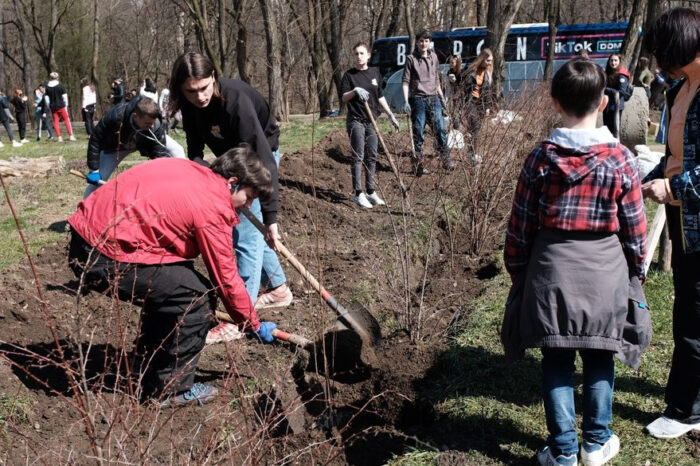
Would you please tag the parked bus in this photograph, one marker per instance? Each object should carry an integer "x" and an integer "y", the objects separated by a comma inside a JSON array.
[{"x": 525, "y": 51}]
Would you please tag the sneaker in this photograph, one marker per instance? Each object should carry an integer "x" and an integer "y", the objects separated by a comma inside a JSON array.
[
  {"x": 199, "y": 393},
  {"x": 595, "y": 454},
  {"x": 279, "y": 297},
  {"x": 222, "y": 333},
  {"x": 361, "y": 200},
  {"x": 60, "y": 139},
  {"x": 546, "y": 458},
  {"x": 1, "y": 144},
  {"x": 665, "y": 427},
  {"x": 24, "y": 141},
  {"x": 16, "y": 144},
  {"x": 448, "y": 164},
  {"x": 374, "y": 199},
  {"x": 420, "y": 169},
  {"x": 72, "y": 138}
]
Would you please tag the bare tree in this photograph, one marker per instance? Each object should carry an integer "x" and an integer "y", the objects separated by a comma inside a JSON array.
[
  {"x": 553, "y": 7},
  {"x": 45, "y": 29},
  {"x": 334, "y": 31},
  {"x": 197, "y": 11},
  {"x": 629, "y": 43},
  {"x": 409, "y": 25},
  {"x": 274, "y": 65},
  {"x": 239, "y": 17},
  {"x": 501, "y": 14}
]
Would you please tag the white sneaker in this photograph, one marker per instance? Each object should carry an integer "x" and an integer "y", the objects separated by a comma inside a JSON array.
[
  {"x": 222, "y": 333},
  {"x": 72, "y": 138},
  {"x": 595, "y": 454},
  {"x": 375, "y": 199},
  {"x": 24, "y": 141},
  {"x": 1, "y": 144},
  {"x": 361, "y": 200},
  {"x": 665, "y": 427},
  {"x": 60, "y": 139},
  {"x": 16, "y": 144}
]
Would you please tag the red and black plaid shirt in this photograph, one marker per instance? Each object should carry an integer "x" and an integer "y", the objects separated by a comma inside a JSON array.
[{"x": 566, "y": 189}]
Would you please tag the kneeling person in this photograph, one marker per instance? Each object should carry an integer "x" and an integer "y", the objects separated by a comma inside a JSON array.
[
  {"x": 165, "y": 213},
  {"x": 128, "y": 126}
]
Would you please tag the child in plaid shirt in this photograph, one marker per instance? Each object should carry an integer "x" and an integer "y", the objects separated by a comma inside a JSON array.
[{"x": 575, "y": 244}]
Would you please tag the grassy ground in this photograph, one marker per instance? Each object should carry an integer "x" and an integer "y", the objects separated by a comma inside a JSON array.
[{"x": 498, "y": 406}]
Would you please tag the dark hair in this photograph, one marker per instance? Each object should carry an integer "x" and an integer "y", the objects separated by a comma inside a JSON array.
[
  {"x": 361, "y": 43},
  {"x": 149, "y": 86},
  {"x": 582, "y": 52},
  {"x": 610, "y": 72},
  {"x": 644, "y": 63},
  {"x": 424, "y": 34},
  {"x": 147, "y": 107},
  {"x": 245, "y": 165},
  {"x": 578, "y": 87},
  {"x": 458, "y": 62},
  {"x": 190, "y": 65},
  {"x": 674, "y": 39}
]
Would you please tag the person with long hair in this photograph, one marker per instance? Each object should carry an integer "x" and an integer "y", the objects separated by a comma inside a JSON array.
[
  {"x": 478, "y": 95},
  {"x": 452, "y": 88},
  {"x": 674, "y": 40},
  {"x": 19, "y": 101},
  {"x": 618, "y": 90},
  {"x": 222, "y": 113},
  {"x": 88, "y": 104}
]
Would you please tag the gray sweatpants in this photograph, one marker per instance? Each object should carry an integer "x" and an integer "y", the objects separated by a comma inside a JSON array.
[{"x": 363, "y": 145}]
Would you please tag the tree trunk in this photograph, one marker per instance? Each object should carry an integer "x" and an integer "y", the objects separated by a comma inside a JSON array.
[
  {"x": 27, "y": 68},
  {"x": 239, "y": 7},
  {"x": 334, "y": 11},
  {"x": 274, "y": 76},
  {"x": 197, "y": 10},
  {"x": 553, "y": 19},
  {"x": 394, "y": 18},
  {"x": 481, "y": 12},
  {"x": 501, "y": 14},
  {"x": 408, "y": 6},
  {"x": 2, "y": 55},
  {"x": 654, "y": 10},
  {"x": 94, "y": 73},
  {"x": 631, "y": 35}
]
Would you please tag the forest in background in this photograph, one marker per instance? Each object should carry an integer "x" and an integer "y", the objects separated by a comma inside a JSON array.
[{"x": 293, "y": 51}]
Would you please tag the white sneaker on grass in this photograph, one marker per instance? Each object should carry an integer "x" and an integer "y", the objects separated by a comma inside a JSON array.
[
  {"x": 60, "y": 139},
  {"x": 374, "y": 199},
  {"x": 16, "y": 144},
  {"x": 72, "y": 138},
  {"x": 665, "y": 427},
  {"x": 24, "y": 141},
  {"x": 361, "y": 200},
  {"x": 595, "y": 454},
  {"x": 1, "y": 144}
]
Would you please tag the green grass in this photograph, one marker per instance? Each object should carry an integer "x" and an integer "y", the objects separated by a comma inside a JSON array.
[
  {"x": 497, "y": 408},
  {"x": 298, "y": 134},
  {"x": 13, "y": 410}
]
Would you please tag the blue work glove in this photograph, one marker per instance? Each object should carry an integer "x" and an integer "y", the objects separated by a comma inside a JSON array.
[
  {"x": 94, "y": 177},
  {"x": 407, "y": 107},
  {"x": 361, "y": 94},
  {"x": 265, "y": 331},
  {"x": 394, "y": 121}
]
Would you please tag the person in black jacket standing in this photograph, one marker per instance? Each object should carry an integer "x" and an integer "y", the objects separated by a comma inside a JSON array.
[
  {"x": 136, "y": 125},
  {"x": 222, "y": 114},
  {"x": 117, "y": 94},
  {"x": 19, "y": 100}
]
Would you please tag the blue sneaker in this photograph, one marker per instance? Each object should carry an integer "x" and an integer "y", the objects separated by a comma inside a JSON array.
[
  {"x": 546, "y": 458},
  {"x": 199, "y": 393},
  {"x": 595, "y": 454}
]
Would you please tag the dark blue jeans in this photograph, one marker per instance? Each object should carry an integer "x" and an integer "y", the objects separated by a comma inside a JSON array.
[
  {"x": 558, "y": 366},
  {"x": 428, "y": 109}
]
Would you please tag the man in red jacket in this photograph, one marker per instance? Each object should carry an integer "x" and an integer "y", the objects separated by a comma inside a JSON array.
[{"x": 146, "y": 225}]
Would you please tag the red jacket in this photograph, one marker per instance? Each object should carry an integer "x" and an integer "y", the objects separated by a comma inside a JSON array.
[{"x": 169, "y": 210}]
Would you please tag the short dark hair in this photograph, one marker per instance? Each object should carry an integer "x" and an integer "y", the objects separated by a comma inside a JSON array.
[
  {"x": 361, "y": 43},
  {"x": 674, "y": 38},
  {"x": 245, "y": 165},
  {"x": 190, "y": 65},
  {"x": 644, "y": 62},
  {"x": 578, "y": 86},
  {"x": 423, "y": 34},
  {"x": 147, "y": 107}
]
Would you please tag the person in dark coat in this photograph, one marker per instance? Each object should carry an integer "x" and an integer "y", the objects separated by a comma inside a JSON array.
[
  {"x": 619, "y": 90},
  {"x": 19, "y": 101}
]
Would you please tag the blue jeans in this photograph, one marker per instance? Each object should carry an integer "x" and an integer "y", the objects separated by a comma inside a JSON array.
[
  {"x": 558, "y": 366},
  {"x": 428, "y": 108},
  {"x": 256, "y": 261}
]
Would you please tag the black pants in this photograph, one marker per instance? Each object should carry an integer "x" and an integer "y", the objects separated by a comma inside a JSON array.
[
  {"x": 177, "y": 312},
  {"x": 476, "y": 112},
  {"x": 88, "y": 118},
  {"x": 22, "y": 124},
  {"x": 612, "y": 119},
  {"x": 683, "y": 388}
]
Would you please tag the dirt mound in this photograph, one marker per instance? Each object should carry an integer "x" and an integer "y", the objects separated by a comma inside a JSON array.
[{"x": 278, "y": 404}]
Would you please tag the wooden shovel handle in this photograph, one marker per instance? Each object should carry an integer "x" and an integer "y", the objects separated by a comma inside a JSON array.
[{"x": 277, "y": 333}]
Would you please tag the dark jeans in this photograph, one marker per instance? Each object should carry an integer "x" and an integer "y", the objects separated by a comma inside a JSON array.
[
  {"x": 88, "y": 118},
  {"x": 363, "y": 144},
  {"x": 428, "y": 109},
  {"x": 22, "y": 124},
  {"x": 42, "y": 123},
  {"x": 177, "y": 312},
  {"x": 475, "y": 116},
  {"x": 683, "y": 388},
  {"x": 612, "y": 119}
]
